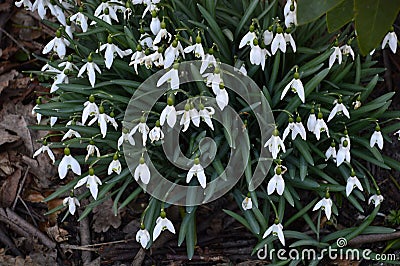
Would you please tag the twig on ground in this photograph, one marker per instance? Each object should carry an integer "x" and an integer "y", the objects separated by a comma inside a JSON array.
[
  {"x": 8, "y": 242},
  {"x": 365, "y": 239},
  {"x": 20, "y": 187}
]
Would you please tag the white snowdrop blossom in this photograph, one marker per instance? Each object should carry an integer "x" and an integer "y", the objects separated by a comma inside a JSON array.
[
  {"x": 81, "y": 20},
  {"x": 296, "y": 86},
  {"x": 290, "y": 13},
  {"x": 72, "y": 202},
  {"x": 320, "y": 126},
  {"x": 125, "y": 137},
  {"x": 162, "y": 34},
  {"x": 189, "y": 114},
  {"x": 296, "y": 129},
  {"x": 106, "y": 11},
  {"x": 277, "y": 182},
  {"x": 38, "y": 115},
  {"x": 214, "y": 80},
  {"x": 338, "y": 108},
  {"x": 376, "y": 138},
  {"x": 277, "y": 230},
  {"x": 353, "y": 182},
  {"x": 90, "y": 109},
  {"x": 278, "y": 42},
  {"x": 90, "y": 68},
  {"x": 198, "y": 171},
  {"x": 91, "y": 149},
  {"x": 162, "y": 224},
  {"x": 111, "y": 51},
  {"x": 247, "y": 203},
  {"x": 343, "y": 153},
  {"x": 206, "y": 113},
  {"x": 26, "y": 3},
  {"x": 336, "y": 54},
  {"x": 141, "y": 128},
  {"x": 137, "y": 58},
  {"x": 275, "y": 144},
  {"x": 311, "y": 121},
  {"x": 172, "y": 53},
  {"x": 376, "y": 199},
  {"x": 248, "y": 38},
  {"x": 331, "y": 151},
  {"x": 156, "y": 133},
  {"x": 143, "y": 237},
  {"x": 142, "y": 172},
  {"x": 197, "y": 48},
  {"x": 53, "y": 120},
  {"x": 71, "y": 133},
  {"x": 68, "y": 162},
  {"x": 391, "y": 39},
  {"x": 59, "y": 79},
  {"x": 102, "y": 120},
  {"x": 326, "y": 205},
  {"x": 347, "y": 50},
  {"x": 145, "y": 40},
  {"x": 171, "y": 76},
  {"x": 209, "y": 60},
  {"x": 222, "y": 96},
  {"x": 114, "y": 166},
  {"x": 40, "y": 6},
  {"x": 168, "y": 114},
  {"x": 58, "y": 44},
  {"x": 268, "y": 36},
  {"x": 258, "y": 55},
  {"x": 92, "y": 182},
  {"x": 289, "y": 39},
  {"x": 43, "y": 149},
  {"x": 398, "y": 134},
  {"x": 155, "y": 25}
]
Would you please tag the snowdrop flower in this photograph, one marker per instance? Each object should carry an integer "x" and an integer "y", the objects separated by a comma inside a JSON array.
[
  {"x": 337, "y": 54},
  {"x": 125, "y": 137},
  {"x": 58, "y": 44},
  {"x": 72, "y": 202},
  {"x": 59, "y": 79},
  {"x": 90, "y": 67},
  {"x": 155, "y": 24},
  {"x": 311, "y": 121},
  {"x": 197, "y": 48},
  {"x": 141, "y": 128},
  {"x": 326, "y": 205},
  {"x": 143, "y": 236},
  {"x": 291, "y": 18},
  {"x": 277, "y": 230},
  {"x": 68, "y": 162},
  {"x": 102, "y": 120},
  {"x": 145, "y": 39},
  {"x": 162, "y": 224},
  {"x": 376, "y": 199},
  {"x": 106, "y": 11},
  {"x": 189, "y": 114},
  {"x": 91, "y": 149},
  {"x": 43, "y": 149},
  {"x": 289, "y": 39},
  {"x": 70, "y": 133},
  {"x": 258, "y": 54},
  {"x": 242, "y": 70},
  {"x": 222, "y": 96},
  {"x": 247, "y": 204},
  {"x": 275, "y": 144},
  {"x": 397, "y": 133},
  {"x": 320, "y": 126},
  {"x": 40, "y": 6},
  {"x": 278, "y": 42},
  {"x": 156, "y": 133},
  {"x": 376, "y": 138},
  {"x": 248, "y": 38},
  {"x": 339, "y": 107},
  {"x": 111, "y": 50},
  {"x": 92, "y": 182},
  {"x": 114, "y": 166},
  {"x": 90, "y": 109},
  {"x": 344, "y": 150},
  {"x": 53, "y": 120},
  {"x": 208, "y": 61},
  {"x": 268, "y": 36},
  {"x": 297, "y": 87},
  {"x": 142, "y": 171},
  {"x": 34, "y": 111},
  {"x": 26, "y": 3},
  {"x": 162, "y": 34},
  {"x": 206, "y": 113},
  {"x": 171, "y": 76},
  {"x": 346, "y": 49},
  {"x": 198, "y": 171},
  {"x": 172, "y": 53},
  {"x": 353, "y": 182},
  {"x": 331, "y": 151},
  {"x": 80, "y": 19},
  {"x": 168, "y": 113},
  {"x": 277, "y": 182},
  {"x": 390, "y": 38},
  {"x": 295, "y": 128},
  {"x": 137, "y": 57}
]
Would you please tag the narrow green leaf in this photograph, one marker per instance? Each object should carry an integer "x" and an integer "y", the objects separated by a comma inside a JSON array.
[{"x": 246, "y": 17}]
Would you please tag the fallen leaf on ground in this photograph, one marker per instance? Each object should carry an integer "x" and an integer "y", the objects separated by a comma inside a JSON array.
[
  {"x": 104, "y": 217},
  {"x": 56, "y": 233},
  {"x": 8, "y": 190},
  {"x": 5, "y": 165}
]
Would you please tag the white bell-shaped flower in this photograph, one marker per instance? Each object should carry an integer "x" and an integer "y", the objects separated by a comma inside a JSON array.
[
  {"x": 189, "y": 114},
  {"x": 277, "y": 230},
  {"x": 71, "y": 202},
  {"x": 248, "y": 38},
  {"x": 168, "y": 113},
  {"x": 68, "y": 162},
  {"x": 58, "y": 44},
  {"x": 353, "y": 182},
  {"x": 156, "y": 133},
  {"x": 206, "y": 114},
  {"x": 331, "y": 151},
  {"x": 320, "y": 126},
  {"x": 343, "y": 153},
  {"x": 336, "y": 55},
  {"x": 92, "y": 182},
  {"x": 142, "y": 172},
  {"x": 197, "y": 48},
  {"x": 114, "y": 166},
  {"x": 338, "y": 108},
  {"x": 90, "y": 109},
  {"x": 376, "y": 138},
  {"x": 296, "y": 86},
  {"x": 277, "y": 182},
  {"x": 326, "y": 205},
  {"x": 171, "y": 76},
  {"x": 198, "y": 171},
  {"x": 43, "y": 149},
  {"x": 275, "y": 144},
  {"x": 172, "y": 53},
  {"x": 143, "y": 236},
  {"x": 111, "y": 51},
  {"x": 141, "y": 128},
  {"x": 247, "y": 203},
  {"x": 162, "y": 224},
  {"x": 90, "y": 67},
  {"x": 80, "y": 19},
  {"x": 91, "y": 150},
  {"x": 278, "y": 42},
  {"x": 296, "y": 129},
  {"x": 391, "y": 39},
  {"x": 376, "y": 199}
]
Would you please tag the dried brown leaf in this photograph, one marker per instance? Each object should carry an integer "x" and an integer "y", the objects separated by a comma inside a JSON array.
[
  {"x": 6, "y": 78},
  {"x": 56, "y": 233},
  {"x": 104, "y": 217},
  {"x": 8, "y": 190},
  {"x": 6, "y": 137},
  {"x": 5, "y": 164}
]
